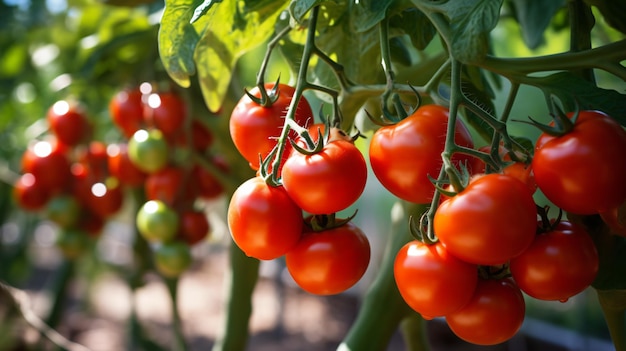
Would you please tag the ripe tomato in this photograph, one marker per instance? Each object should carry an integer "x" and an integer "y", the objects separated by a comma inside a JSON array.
[
  {"x": 583, "y": 171},
  {"x": 558, "y": 265},
  {"x": 171, "y": 259},
  {"x": 126, "y": 109},
  {"x": 168, "y": 185},
  {"x": 492, "y": 316},
  {"x": 263, "y": 220},
  {"x": 68, "y": 122},
  {"x": 194, "y": 226},
  {"x": 328, "y": 181},
  {"x": 254, "y": 128},
  {"x": 121, "y": 167},
  {"x": 29, "y": 194},
  {"x": 96, "y": 160},
  {"x": 48, "y": 165},
  {"x": 106, "y": 198},
  {"x": 199, "y": 137},
  {"x": 148, "y": 150},
  {"x": 403, "y": 155},
  {"x": 207, "y": 185},
  {"x": 330, "y": 261},
  {"x": 166, "y": 111},
  {"x": 432, "y": 281},
  {"x": 489, "y": 222},
  {"x": 157, "y": 222}
]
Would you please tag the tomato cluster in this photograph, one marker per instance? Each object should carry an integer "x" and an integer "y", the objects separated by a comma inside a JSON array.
[
  {"x": 158, "y": 125},
  {"x": 324, "y": 256},
  {"x": 493, "y": 244},
  {"x": 66, "y": 177}
]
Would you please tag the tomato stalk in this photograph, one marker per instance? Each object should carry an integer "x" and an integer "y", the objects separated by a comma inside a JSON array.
[
  {"x": 377, "y": 322},
  {"x": 179, "y": 338}
]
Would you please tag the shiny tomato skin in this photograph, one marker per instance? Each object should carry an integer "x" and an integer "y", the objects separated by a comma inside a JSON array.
[
  {"x": 489, "y": 222},
  {"x": 263, "y": 220},
  {"x": 49, "y": 165},
  {"x": 583, "y": 171},
  {"x": 121, "y": 167},
  {"x": 29, "y": 194},
  {"x": 166, "y": 111},
  {"x": 69, "y": 122},
  {"x": 493, "y": 315},
  {"x": 328, "y": 181},
  {"x": 331, "y": 261},
  {"x": 432, "y": 281},
  {"x": 168, "y": 185},
  {"x": 126, "y": 109},
  {"x": 403, "y": 155},
  {"x": 106, "y": 198},
  {"x": 558, "y": 265},
  {"x": 255, "y": 128}
]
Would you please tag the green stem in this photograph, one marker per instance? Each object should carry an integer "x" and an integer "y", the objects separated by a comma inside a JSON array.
[
  {"x": 241, "y": 280},
  {"x": 179, "y": 343},
  {"x": 615, "y": 316},
  {"x": 383, "y": 308},
  {"x": 414, "y": 332},
  {"x": 581, "y": 23},
  {"x": 301, "y": 83}
]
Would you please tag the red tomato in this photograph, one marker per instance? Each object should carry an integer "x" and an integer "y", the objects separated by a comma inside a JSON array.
[
  {"x": 558, "y": 265},
  {"x": 194, "y": 227},
  {"x": 68, "y": 122},
  {"x": 126, "y": 109},
  {"x": 583, "y": 171},
  {"x": 493, "y": 315},
  {"x": 328, "y": 181},
  {"x": 95, "y": 159},
  {"x": 166, "y": 185},
  {"x": 330, "y": 261},
  {"x": 405, "y": 154},
  {"x": 29, "y": 194},
  {"x": 49, "y": 165},
  {"x": 207, "y": 185},
  {"x": 263, "y": 220},
  {"x": 199, "y": 137},
  {"x": 106, "y": 198},
  {"x": 166, "y": 111},
  {"x": 254, "y": 128},
  {"x": 489, "y": 222},
  {"x": 432, "y": 281},
  {"x": 121, "y": 167}
]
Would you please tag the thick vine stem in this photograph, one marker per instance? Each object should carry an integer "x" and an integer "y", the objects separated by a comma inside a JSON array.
[{"x": 377, "y": 322}]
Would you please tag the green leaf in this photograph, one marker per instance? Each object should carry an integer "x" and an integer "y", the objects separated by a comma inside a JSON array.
[
  {"x": 202, "y": 9},
  {"x": 177, "y": 40},
  {"x": 416, "y": 25},
  {"x": 299, "y": 8},
  {"x": 572, "y": 90},
  {"x": 470, "y": 23},
  {"x": 534, "y": 17},
  {"x": 368, "y": 13},
  {"x": 613, "y": 12},
  {"x": 234, "y": 30}
]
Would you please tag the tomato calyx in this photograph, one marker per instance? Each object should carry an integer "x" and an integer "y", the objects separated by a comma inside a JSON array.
[
  {"x": 419, "y": 229},
  {"x": 320, "y": 223},
  {"x": 561, "y": 123},
  {"x": 547, "y": 225},
  {"x": 267, "y": 98}
]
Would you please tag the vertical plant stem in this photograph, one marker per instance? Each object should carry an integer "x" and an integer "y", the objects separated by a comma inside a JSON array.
[
  {"x": 581, "y": 23},
  {"x": 241, "y": 280},
  {"x": 177, "y": 330},
  {"x": 414, "y": 332},
  {"x": 383, "y": 308},
  {"x": 614, "y": 315}
]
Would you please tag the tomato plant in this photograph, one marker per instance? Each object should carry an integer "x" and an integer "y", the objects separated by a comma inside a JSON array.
[
  {"x": 493, "y": 315},
  {"x": 431, "y": 280},
  {"x": 489, "y": 222},
  {"x": 405, "y": 154},
  {"x": 582, "y": 171},
  {"x": 263, "y": 220},
  {"x": 559, "y": 264},
  {"x": 329, "y": 261}
]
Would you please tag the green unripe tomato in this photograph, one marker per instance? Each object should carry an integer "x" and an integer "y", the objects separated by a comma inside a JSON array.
[
  {"x": 148, "y": 150},
  {"x": 172, "y": 259},
  {"x": 157, "y": 222}
]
